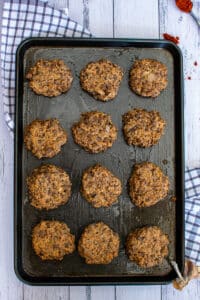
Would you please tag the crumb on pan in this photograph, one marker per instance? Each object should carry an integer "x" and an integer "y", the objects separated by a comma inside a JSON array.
[{"x": 173, "y": 198}]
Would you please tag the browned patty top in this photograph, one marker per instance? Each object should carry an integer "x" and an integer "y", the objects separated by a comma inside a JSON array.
[
  {"x": 44, "y": 138},
  {"x": 48, "y": 186},
  {"x": 52, "y": 240},
  {"x": 100, "y": 187},
  {"x": 148, "y": 77},
  {"x": 50, "y": 77},
  {"x": 95, "y": 131},
  {"x": 143, "y": 128},
  {"x": 147, "y": 246},
  {"x": 148, "y": 184},
  {"x": 101, "y": 79},
  {"x": 98, "y": 244}
]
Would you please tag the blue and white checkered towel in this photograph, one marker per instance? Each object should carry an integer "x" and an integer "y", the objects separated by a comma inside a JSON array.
[
  {"x": 192, "y": 215},
  {"x": 33, "y": 18},
  {"x": 22, "y": 19}
]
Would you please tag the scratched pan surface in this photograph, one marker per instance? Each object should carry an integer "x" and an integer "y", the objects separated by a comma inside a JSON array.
[{"x": 123, "y": 216}]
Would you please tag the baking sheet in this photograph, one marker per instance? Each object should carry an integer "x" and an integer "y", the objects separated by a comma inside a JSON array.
[{"x": 123, "y": 216}]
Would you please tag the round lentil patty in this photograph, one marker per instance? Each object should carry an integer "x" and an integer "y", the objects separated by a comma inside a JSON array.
[
  {"x": 44, "y": 138},
  {"x": 100, "y": 187},
  {"x": 148, "y": 185},
  {"x": 148, "y": 77},
  {"x": 50, "y": 77},
  {"x": 48, "y": 187},
  {"x": 147, "y": 246},
  {"x": 98, "y": 244},
  {"x": 143, "y": 128},
  {"x": 52, "y": 240},
  {"x": 101, "y": 79},
  {"x": 95, "y": 131}
]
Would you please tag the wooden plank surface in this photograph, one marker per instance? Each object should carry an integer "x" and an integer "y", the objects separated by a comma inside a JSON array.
[
  {"x": 189, "y": 292},
  {"x": 181, "y": 24},
  {"x": 79, "y": 293},
  {"x": 138, "y": 292},
  {"x": 136, "y": 19},
  {"x": 10, "y": 287},
  {"x": 118, "y": 18},
  {"x": 76, "y": 11},
  {"x": 106, "y": 292},
  {"x": 101, "y": 18},
  {"x": 46, "y": 293}
]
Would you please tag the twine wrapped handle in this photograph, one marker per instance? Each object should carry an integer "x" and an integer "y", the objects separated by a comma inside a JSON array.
[{"x": 191, "y": 271}]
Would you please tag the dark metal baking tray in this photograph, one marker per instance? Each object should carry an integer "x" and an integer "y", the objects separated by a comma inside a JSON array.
[{"x": 77, "y": 213}]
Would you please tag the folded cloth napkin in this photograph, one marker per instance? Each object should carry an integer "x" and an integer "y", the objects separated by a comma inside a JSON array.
[
  {"x": 192, "y": 215},
  {"x": 22, "y": 19},
  {"x": 33, "y": 18}
]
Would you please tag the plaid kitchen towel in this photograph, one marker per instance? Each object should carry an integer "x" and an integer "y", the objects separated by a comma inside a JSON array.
[
  {"x": 33, "y": 18},
  {"x": 22, "y": 19},
  {"x": 192, "y": 215}
]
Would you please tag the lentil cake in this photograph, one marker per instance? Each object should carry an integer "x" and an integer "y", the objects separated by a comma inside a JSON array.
[
  {"x": 98, "y": 244},
  {"x": 148, "y": 185},
  {"x": 48, "y": 187},
  {"x": 148, "y": 77},
  {"x": 100, "y": 187},
  {"x": 147, "y": 246},
  {"x": 101, "y": 79},
  {"x": 50, "y": 77},
  {"x": 143, "y": 128},
  {"x": 44, "y": 138},
  {"x": 95, "y": 131},
  {"x": 52, "y": 240}
]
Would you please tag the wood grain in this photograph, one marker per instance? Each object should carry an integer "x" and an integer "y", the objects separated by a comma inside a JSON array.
[
  {"x": 49, "y": 293},
  {"x": 136, "y": 19},
  {"x": 99, "y": 292},
  {"x": 101, "y": 18},
  {"x": 76, "y": 11},
  {"x": 189, "y": 292},
  {"x": 138, "y": 292},
  {"x": 78, "y": 293},
  {"x": 8, "y": 280},
  {"x": 180, "y": 24},
  {"x": 192, "y": 122}
]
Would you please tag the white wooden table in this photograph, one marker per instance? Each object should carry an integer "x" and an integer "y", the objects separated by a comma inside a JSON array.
[{"x": 110, "y": 18}]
